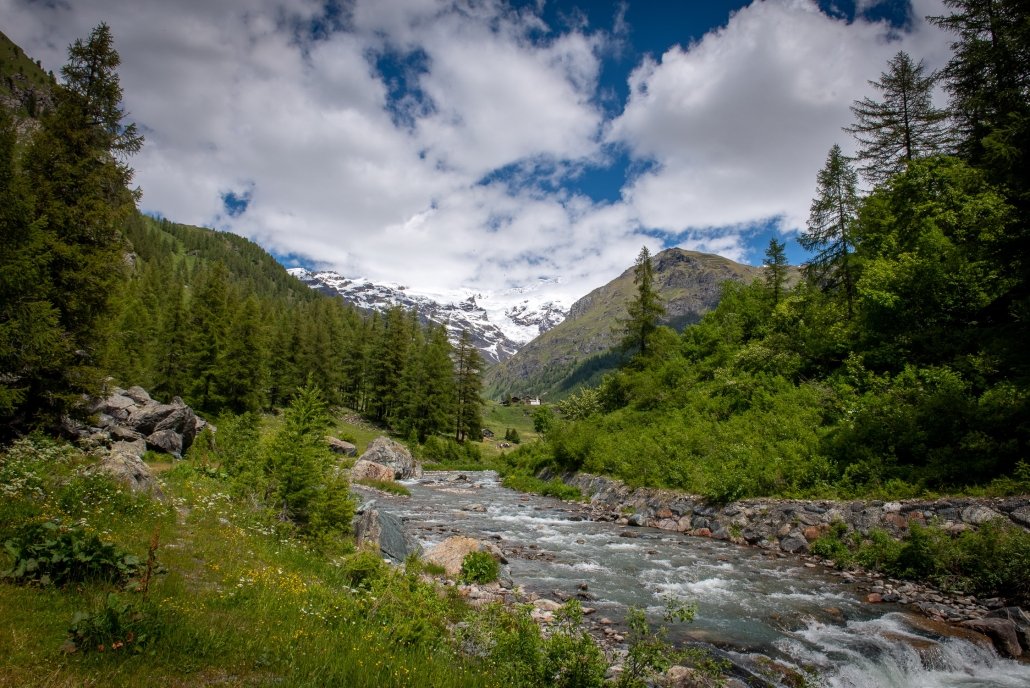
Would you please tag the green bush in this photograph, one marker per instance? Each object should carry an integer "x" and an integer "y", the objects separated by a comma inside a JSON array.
[
  {"x": 554, "y": 488},
  {"x": 479, "y": 567},
  {"x": 386, "y": 486},
  {"x": 48, "y": 554},
  {"x": 447, "y": 450},
  {"x": 361, "y": 568}
]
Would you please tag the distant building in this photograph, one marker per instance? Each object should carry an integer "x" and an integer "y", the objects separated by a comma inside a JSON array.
[
  {"x": 515, "y": 400},
  {"x": 534, "y": 402},
  {"x": 487, "y": 434}
]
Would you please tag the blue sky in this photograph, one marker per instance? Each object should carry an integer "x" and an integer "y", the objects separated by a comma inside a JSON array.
[{"x": 487, "y": 144}]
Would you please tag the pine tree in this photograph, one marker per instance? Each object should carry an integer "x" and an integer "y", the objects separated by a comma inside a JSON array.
[
  {"x": 428, "y": 383},
  {"x": 775, "y": 268},
  {"x": 904, "y": 127},
  {"x": 829, "y": 226},
  {"x": 468, "y": 365},
  {"x": 646, "y": 311}
]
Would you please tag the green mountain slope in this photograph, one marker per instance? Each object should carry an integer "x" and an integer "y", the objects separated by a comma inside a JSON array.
[
  {"x": 577, "y": 353},
  {"x": 25, "y": 87}
]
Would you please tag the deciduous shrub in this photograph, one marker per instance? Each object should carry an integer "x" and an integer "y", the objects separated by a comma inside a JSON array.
[{"x": 479, "y": 567}]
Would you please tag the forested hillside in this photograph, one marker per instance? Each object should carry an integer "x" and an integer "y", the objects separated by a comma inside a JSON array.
[
  {"x": 576, "y": 352},
  {"x": 90, "y": 289},
  {"x": 900, "y": 364}
]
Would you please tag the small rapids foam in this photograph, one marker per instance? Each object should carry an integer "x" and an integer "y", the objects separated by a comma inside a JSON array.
[{"x": 887, "y": 653}]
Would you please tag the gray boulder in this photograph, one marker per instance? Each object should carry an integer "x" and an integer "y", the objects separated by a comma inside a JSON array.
[
  {"x": 175, "y": 420},
  {"x": 385, "y": 451},
  {"x": 338, "y": 446},
  {"x": 167, "y": 441},
  {"x": 794, "y": 543},
  {"x": 1019, "y": 618},
  {"x": 135, "y": 447},
  {"x": 122, "y": 433},
  {"x": 637, "y": 519},
  {"x": 978, "y": 515},
  {"x": 128, "y": 470},
  {"x": 138, "y": 395},
  {"x": 1002, "y": 633},
  {"x": 383, "y": 529},
  {"x": 116, "y": 406},
  {"x": 1021, "y": 516},
  {"x": 189, "y": 429},
  {"x": 146, "y": 419}
]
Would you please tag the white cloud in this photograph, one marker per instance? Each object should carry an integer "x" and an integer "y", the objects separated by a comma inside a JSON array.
[
  {"x": 740, "y": 122},
  {"x": 233, "y": 97}
]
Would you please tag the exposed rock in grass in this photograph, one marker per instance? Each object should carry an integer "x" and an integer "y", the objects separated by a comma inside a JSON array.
[
  {"x": 366, "y": 470},
  {"x": 338, "y": 446}
]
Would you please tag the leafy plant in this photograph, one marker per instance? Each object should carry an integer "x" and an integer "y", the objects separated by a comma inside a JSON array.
[
  {"x": 649, "y": 653},
  {"x": 49, "y": 554},
  {"x": 111, "y": 626},
  {"x": 571, "y": 657},
  {"x": 479, "y": 567}
]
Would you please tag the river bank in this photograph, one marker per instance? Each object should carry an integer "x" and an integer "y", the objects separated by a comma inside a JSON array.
[{"x": 762, "y": 608}]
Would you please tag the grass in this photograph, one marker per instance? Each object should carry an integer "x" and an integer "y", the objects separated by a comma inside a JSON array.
[
  {"x": 497, "y": 418},
  {"x": 237, "y": 606},
  {"x": 554, "y": 488},
  {"x": 386, "y": 486}
]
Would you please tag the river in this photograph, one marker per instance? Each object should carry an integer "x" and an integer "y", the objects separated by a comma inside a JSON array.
[{"x": 755, "y": 607}]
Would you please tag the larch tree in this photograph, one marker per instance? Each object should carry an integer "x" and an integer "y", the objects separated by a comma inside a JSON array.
[
  {"x": 905, "y": 126},
  {"x": 829, "y": 232},
  {"x": 646, "y": 310}
]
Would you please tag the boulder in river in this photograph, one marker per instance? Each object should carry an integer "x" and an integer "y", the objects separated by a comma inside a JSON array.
[
  {"x": 1002, "y": 633},
  {"x": 1021, "y": 620},
  {"x": 451, "y": 552},
  {"x": 384, "y": 530},
  {"x": 366, "y": 470},
  {"x": 385, "y": 451}
]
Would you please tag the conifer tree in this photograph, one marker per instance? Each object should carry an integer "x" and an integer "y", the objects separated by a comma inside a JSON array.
[
  {"x": 468, "y": 365},
  {"x": 428, "y": 383},
  {"x": 240, "y": 375},
  {"x": 32, "y": 344},
  {"x": 775, "y": 263},
  {"x": 171, "y": 350},
  {"x": 208, "y": 324},
  {"x": 646, "y": 310},
  {"x": 75, "y": 169},
  {"x": 904, "y": 127},
  {"x": 829, "y": 226}
]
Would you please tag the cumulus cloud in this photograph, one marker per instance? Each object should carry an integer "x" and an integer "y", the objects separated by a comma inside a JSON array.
[
  {"x": 740, "y": 122},
  {"x": 380, "y": 137}
]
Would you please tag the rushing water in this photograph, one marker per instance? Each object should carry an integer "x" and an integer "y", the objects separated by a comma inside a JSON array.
[{"x": 750, "y": 605}]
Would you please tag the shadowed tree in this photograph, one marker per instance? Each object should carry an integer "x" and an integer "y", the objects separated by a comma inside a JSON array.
[{"x": 776, "y": 264}]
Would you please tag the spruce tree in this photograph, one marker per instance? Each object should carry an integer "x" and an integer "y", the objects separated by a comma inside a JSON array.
[
  {"x": 172, "y": 348},
  {"x": 646, "y": 310},
  {"x": 468, "y": 365},
  {"x": 776, "y": 264},
  {"x": 904, "y": 127},
  {"x": 829, "y": 226},
  {"x": 75, "y": 167},
  {"x": 209, "y": 320},
  {"x": 241, "y": 370}
]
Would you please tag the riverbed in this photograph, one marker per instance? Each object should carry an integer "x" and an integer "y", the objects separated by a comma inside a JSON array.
[{"x": 761, "y": 609}]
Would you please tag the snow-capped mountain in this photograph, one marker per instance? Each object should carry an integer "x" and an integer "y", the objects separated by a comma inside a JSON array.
[{"x": 500, "y": 323}]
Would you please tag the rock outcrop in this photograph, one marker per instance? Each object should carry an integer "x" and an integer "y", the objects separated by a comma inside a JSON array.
[
  {"x": 131, "y": 415},
  {"x": 383, "y": 530},
  {"x": 386, "y": 452},
  {"x": 1002, "y": 633}
]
